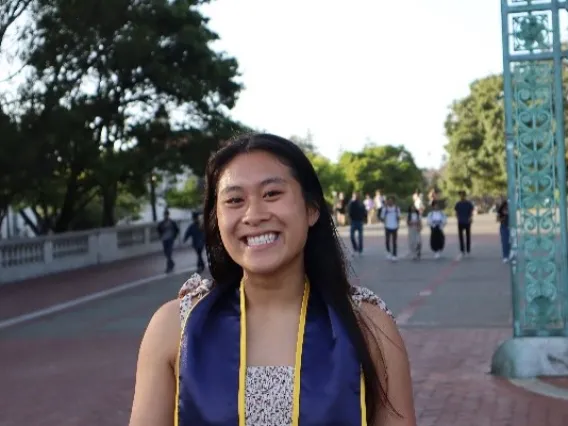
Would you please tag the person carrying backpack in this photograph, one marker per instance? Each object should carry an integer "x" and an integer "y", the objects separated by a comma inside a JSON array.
[{"x": 390, "y": 216}]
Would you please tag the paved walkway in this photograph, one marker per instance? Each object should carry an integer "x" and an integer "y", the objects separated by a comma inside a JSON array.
[{"x": 77, "y": 366}]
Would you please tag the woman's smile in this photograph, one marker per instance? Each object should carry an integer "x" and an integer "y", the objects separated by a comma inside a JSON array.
[{"x": 262, "y": 241}]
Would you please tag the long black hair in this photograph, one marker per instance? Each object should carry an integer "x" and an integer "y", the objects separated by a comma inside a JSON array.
[{"x": 325, "y": 263}]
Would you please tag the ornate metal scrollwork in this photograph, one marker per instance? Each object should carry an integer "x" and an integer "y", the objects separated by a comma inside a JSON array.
[{"x": 535, "y": 147}]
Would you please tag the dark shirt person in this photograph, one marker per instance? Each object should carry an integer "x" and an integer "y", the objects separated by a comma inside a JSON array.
[
  {"x": 503, "y": 219},
  {"x": 464, "y": 213},
  {"x": 357, "y": 217},
  {"x": 196, "y": 232},
  {"x": 168, "y": 231}
]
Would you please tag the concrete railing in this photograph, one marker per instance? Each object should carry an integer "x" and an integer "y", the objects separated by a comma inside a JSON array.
[{"x": 32, "y": 257}]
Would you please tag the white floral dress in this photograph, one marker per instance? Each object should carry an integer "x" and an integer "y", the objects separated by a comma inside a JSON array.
[{"x": 268, "y": 389}]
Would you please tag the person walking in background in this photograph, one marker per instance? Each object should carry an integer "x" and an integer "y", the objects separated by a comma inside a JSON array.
[
  {"x": 464, "y": 212},
  {"x": 379, "y": 204},
  {"x": 196, "y": 233},
  {"x": 357, "y": 216},
  {"x": 391, "y": 217},
  {"x": 414, "y": 222},
  {"x": 436, "y": 221},
  {"x": 340, "y": 207},
  {"x": 418, "y": 201},
  {"x": 370, "y": 207},
  {"x": 168, "y": 231},
  {"x": 503, "y": 219},
  {"x": 432, "y": 196}
]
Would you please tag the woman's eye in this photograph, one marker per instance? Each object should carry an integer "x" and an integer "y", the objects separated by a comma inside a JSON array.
[
  {"x": 233, "y": 200},
  {"x": 270, "y": 194}
]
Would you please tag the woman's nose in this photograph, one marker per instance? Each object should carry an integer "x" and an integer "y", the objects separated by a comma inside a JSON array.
[{"x": 256, "y": 213}]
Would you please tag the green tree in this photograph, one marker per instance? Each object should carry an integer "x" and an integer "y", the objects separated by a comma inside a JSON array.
[
  {"x": 330, "y": 175},
  {"x": 14, "y": 161},
  {"x": 476, "y": 158},
  {"x": 195, "y": 146},
  {"x": 13, "y": 155},
  {"x": 476, "y": 146},
  {"x": 106, "y": 77},
  {"x": 189, "y": 196},
  {"x": 306, "y": 143},
  {"x": 389, "y": 168},
  {"x": 10, "y": 12},
  {"x": 128, "y": 208}
]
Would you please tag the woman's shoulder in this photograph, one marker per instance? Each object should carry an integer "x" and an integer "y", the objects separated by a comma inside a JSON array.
[
  {"x": 364, "y": 298},
  {"x": 194, "y": 289}
]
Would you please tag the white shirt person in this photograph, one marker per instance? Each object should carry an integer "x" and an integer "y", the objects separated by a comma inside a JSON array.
[{"x": 437, "y": 221}]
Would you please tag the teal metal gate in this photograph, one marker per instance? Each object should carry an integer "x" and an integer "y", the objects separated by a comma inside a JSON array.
[{"x": 533, "y": 58}]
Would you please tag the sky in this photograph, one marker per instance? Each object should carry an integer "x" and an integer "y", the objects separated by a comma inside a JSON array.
[
  {"x": 357, "y": 71},
  {"x": 350, "y": 72}
]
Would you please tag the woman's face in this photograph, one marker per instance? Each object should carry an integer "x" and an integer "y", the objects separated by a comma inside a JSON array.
[{"x": 262, "y": 215}]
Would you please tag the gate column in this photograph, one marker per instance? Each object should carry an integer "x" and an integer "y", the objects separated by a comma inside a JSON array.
[{"x": 535, "y": 147}]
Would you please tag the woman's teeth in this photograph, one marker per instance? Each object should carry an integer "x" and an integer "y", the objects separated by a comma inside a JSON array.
[{"x": 260, "y": 240}]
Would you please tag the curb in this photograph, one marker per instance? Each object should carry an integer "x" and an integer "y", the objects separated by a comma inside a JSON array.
[{"x": 540, "y": 387}]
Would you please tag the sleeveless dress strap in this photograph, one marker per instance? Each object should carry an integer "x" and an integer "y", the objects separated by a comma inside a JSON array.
[
  {"x": 191, "y": 291},
  {"x": 196, "y": 287},
  {"x": 360, "y": 295}
]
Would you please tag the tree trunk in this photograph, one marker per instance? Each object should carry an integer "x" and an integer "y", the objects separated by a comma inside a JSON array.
[
  {"x": 67, "y": 213},
  {"x": 109, "y": 195},
  {"x": 153, "y": 198}
]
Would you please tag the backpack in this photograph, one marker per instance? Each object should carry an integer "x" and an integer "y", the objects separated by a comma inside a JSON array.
[{"x": 392, "y": 209}]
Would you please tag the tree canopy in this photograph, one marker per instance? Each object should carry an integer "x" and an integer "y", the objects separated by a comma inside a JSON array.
[
  {"x": 476, "y": 157},
  {"x": 115, "y": 91},
  {"x": 388, "y": 168},
  {"x": 476, "y": 146}
]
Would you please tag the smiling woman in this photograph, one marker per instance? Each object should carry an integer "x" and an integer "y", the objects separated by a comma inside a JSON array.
[
  {"x": 262, "y": 217},
  {"x": 280, "y": 322}
]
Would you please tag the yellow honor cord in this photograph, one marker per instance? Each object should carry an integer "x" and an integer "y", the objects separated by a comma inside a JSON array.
[
  {"x": 298, "y": 356},
  {"x": 363, "y": 402},
  {"x": 243, "y": 358}
]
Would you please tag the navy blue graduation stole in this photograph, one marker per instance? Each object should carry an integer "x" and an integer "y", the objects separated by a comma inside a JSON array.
[{"x": 210, "y": 390}]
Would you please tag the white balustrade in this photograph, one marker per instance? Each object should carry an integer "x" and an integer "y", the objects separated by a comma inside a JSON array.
[{"x": 25, "y": 258}]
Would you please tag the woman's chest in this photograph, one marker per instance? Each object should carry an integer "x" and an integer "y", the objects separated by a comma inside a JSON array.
[
  {"x": 269, "y": 396},
  {"x": 272, "y": 339}
]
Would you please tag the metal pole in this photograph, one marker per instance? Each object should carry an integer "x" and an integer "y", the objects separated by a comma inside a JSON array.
[
  {"x": 510, "y": 155},
  {"x": 560, "y": 142}
]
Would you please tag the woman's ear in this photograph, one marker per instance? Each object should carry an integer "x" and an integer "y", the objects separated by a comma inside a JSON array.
[{"x": 313, "y": 215}]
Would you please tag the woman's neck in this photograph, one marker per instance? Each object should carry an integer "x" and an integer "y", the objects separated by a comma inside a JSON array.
[{"x": 281, "y": 289}]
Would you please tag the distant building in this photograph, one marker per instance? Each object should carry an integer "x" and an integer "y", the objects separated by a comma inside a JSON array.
[{"x": 14, "y": 226}]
